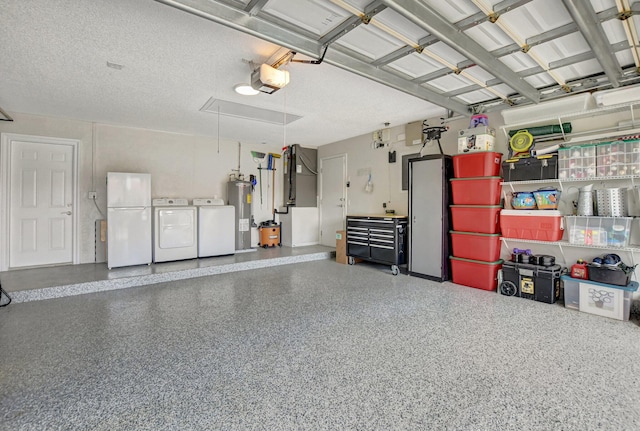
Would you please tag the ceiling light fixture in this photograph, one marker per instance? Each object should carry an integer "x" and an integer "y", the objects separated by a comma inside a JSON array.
[{"x": 245, "y": 90}]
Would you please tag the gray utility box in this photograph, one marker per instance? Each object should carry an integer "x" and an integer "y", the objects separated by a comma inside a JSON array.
[{"x": 300, "y": 176}]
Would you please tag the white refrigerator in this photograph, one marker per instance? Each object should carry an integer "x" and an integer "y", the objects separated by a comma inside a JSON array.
[{"x": 129, "y": 222}]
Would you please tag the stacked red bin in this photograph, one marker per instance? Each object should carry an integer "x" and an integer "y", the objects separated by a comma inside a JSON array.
[{"x": 475, "y": 213}]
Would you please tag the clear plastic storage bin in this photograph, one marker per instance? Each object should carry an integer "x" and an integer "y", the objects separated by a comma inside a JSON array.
[
  {"x": 618, "y": 158},
  {"x": 599, "y": 231},
  {"x": 598, "y": 298},
  {"x": 578, "y": 161}
]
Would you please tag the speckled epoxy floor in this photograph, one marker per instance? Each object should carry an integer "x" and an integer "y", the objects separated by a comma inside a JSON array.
[{"x": 314, "y": 345}]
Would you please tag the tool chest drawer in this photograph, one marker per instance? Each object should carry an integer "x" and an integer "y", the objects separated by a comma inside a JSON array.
[{"x": 377, "y": 238}]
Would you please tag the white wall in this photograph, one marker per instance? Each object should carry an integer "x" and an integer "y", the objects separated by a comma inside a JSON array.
[
  {"x": 387, "y": 177},
  {"x": 180, "y": 165}
]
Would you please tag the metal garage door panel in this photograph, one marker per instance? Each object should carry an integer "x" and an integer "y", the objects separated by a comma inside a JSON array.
[
  {"x": 559, "y": 49},
  {"x": 625, "y": 58},
  {"x": 370, "y": 42},
  {"x": 600, "y": 5},
  {"x": 479, "y": 73},
  {"x": 614, "y": 31},
  {"x": 450, "y": 82},
  {"x": 578, "y": 70},
  {"x": 317, "y": 16},
  {"x": 446, "y": 52},
  {"x": 537, "y": 17},
  {"x": 453, "y": 11},
  {"x": 489, "y": 36},
  {"x": 540, "y": 80},
  {"x": 415, "y": 65},
  {"x": 401, "y": 25},
  {"x": 518, "y": 61},
  {"x": 478, "y": 96}
]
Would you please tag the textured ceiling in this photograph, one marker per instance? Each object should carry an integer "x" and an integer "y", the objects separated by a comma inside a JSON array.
[{"x": 386, "y": 61}]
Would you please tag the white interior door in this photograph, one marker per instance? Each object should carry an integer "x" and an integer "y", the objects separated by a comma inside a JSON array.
[
  {"x": 41, "y": 202},
  {"x": 333, "y": 197}
]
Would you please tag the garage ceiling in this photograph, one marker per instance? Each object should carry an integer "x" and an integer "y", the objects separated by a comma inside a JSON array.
[{"x": 382, "y": 60}]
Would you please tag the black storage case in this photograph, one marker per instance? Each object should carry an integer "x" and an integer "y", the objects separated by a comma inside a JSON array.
[
  {"x": 531, "y": 168},
  {"x": 540, "y": 283},
  {"x": 608, "y": 275}
]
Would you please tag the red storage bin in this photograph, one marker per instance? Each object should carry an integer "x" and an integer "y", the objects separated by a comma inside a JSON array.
[
  {"x": 540, "y": 225},
  {"x": 477, "y": 164},
  {"x": 476, "y": 218},
  {"x": 476, "y": 190},
  {"x": 477, "y": 246},
  {"x": 475, "y": 273}
]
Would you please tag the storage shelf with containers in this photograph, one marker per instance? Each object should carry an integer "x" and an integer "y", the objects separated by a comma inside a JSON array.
[{"x": 598, "y": 170}]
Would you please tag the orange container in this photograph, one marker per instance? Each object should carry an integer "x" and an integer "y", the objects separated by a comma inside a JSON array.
[
  {"x": 477, "y": 246},
  {"x": 475, "y": 273},
  {"x": 540, "y": 225},
  {"x": 269, "y": 236},
  {"x": 476, "y": 218},
  {"x": 477, "y": 164},
  {"x": 476, "y": 190}
]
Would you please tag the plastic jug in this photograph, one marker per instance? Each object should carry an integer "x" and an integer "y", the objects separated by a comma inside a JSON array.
[{"x": 585, "y": 200}]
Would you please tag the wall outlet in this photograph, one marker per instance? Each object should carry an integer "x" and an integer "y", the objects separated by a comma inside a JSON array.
[{"x": 92, "y": 195}]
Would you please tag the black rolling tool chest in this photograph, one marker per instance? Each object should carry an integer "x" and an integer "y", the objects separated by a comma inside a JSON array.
[{"x": 380, "y": 239}]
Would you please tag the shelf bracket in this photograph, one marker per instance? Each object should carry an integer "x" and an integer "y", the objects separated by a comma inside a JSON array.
[
  {"x": 564, "y": 259},
  {"x": 506, "y": 244},
  {"x": 564, "y": 136}
]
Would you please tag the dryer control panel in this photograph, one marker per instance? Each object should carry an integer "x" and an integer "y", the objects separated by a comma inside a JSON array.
[{"x": 170, "y": 202}]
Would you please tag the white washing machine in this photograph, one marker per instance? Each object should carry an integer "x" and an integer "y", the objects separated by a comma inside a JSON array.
[
  {"x": 175, "y": 230},
  {"x": 216, "y": 227}
]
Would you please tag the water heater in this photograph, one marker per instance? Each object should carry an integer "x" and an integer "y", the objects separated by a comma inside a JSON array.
[{"x": 239, "y": 195}]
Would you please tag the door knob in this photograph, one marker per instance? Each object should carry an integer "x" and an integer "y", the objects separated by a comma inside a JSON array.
[
  {"x": 66, "y": 212},
  {"x": 340, "y": 205}
]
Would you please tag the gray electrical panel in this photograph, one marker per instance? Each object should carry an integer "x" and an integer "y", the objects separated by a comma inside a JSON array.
[
  {"x": 239, "y": 195},
  {"x": 300, "y": 176}
]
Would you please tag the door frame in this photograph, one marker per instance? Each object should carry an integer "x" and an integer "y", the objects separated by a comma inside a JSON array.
[
  {"x": 345, "y": 190},
  {"x": 5, "y": 187}
]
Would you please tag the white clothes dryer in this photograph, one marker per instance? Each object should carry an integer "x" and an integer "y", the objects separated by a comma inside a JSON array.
[
  {"x": 175, "y": 230},
  {"x": 216, "y": 227}
]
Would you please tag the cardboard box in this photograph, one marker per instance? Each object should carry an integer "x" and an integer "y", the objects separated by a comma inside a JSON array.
[
  {"x": 477, "y": 139},
  {"x": 341, "y": 248}
]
